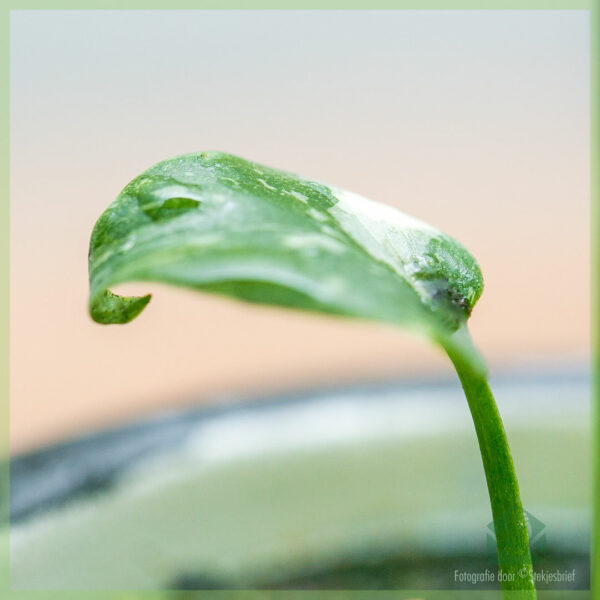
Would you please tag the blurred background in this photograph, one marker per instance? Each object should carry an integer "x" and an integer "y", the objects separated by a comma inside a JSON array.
[
  {"x": 212, "y": 444},
  {"x": 477, "y": 122}
]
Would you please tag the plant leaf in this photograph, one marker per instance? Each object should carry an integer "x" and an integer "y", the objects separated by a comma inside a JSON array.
[{"x": 218, "y": 223}]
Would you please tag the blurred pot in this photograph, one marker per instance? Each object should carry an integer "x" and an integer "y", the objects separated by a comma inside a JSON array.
[{"x": 372, "y": 487}]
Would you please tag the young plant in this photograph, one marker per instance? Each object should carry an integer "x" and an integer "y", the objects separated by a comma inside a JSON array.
[{"x": 217, "y": 223}]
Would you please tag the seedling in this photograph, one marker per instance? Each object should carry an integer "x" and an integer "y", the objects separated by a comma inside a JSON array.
[{"x": 217, "y": 223}]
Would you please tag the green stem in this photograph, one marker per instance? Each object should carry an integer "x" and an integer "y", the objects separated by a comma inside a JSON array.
[{"x": 512, "y": 537}]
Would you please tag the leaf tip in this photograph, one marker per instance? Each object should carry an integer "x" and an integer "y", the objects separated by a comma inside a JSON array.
[{"x": 109, "y": 309}]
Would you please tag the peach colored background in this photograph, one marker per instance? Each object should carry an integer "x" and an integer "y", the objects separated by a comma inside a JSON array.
[{"x": 474, "y": 121}]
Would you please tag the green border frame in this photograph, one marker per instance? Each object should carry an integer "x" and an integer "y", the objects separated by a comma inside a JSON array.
[{"x": 590, "y": 5}]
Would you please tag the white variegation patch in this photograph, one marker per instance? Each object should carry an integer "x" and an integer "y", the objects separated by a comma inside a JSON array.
[
  {"x": 314, "y": 241},
  {"x": 383, "y": 231}
]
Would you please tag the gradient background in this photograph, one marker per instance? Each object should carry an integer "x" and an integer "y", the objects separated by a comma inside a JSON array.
[{"x": 475, "y": 121}]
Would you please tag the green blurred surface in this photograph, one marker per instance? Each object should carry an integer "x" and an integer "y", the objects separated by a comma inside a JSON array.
[{"x": 268, "y": 518}]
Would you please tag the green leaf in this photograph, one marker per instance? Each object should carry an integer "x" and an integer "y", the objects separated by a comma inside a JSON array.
[{"x": 218, "y": 223}]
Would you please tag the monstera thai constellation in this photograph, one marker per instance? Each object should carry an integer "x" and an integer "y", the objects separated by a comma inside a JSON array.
[{"x": 220, "y": 224}]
